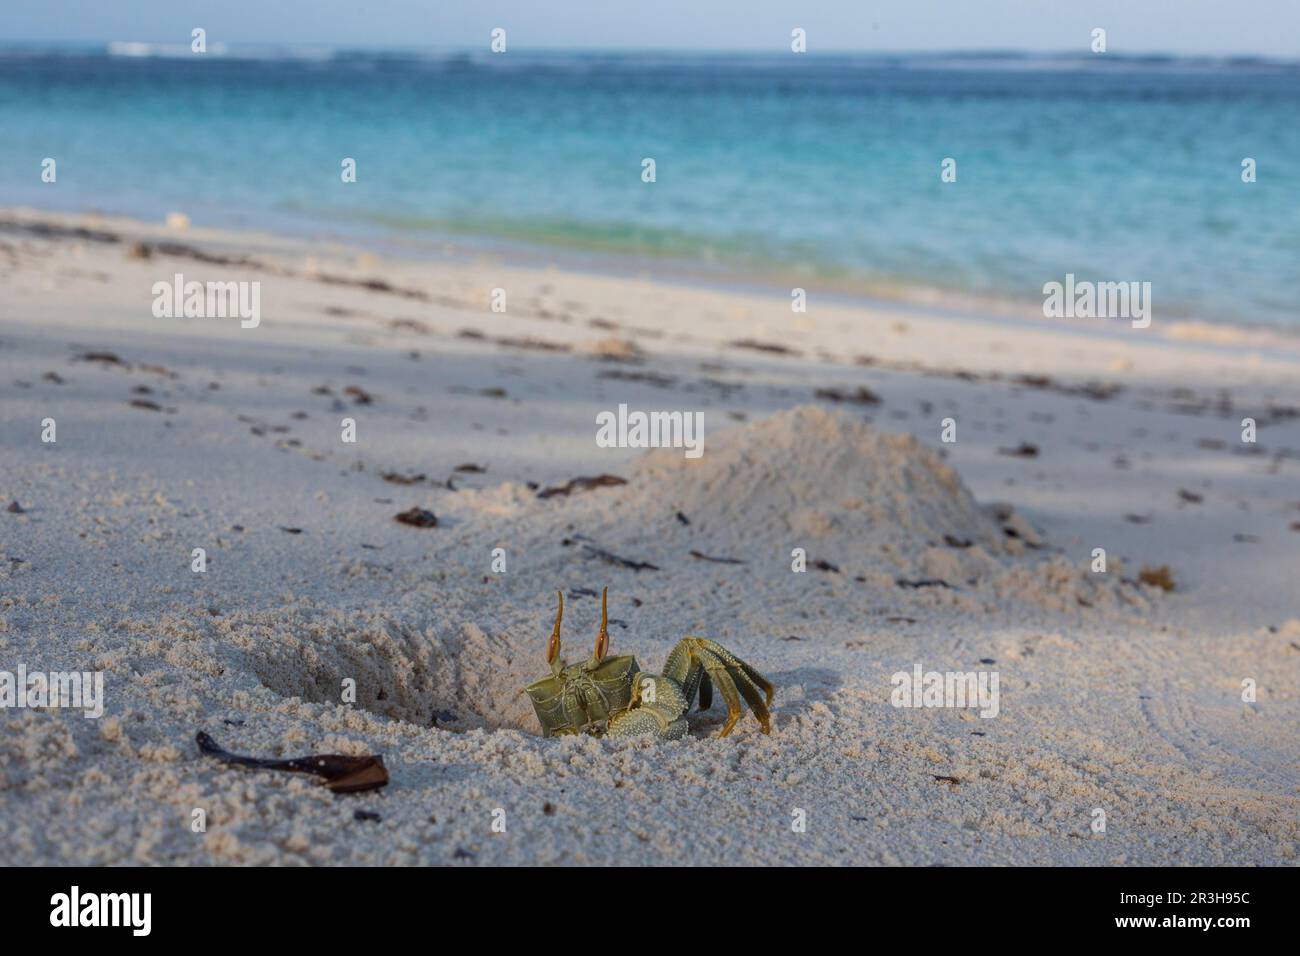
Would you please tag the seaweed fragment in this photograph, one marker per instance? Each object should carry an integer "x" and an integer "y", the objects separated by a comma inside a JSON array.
[
  {"x": 397, "y": 478},
  {"x": 105, "y": 358},
  {"x": 859, "y": 396},
  {"x": 707, "y": 557},
  {"x": 592, "y": 551},
  {"x": 755, "y": 345},
  {"x": 581, "y": 483},
  {"x": 611, "y": 558}
]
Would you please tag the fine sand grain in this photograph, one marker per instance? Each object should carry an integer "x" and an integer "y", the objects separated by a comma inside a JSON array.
[{"x": 822, "y": 432}]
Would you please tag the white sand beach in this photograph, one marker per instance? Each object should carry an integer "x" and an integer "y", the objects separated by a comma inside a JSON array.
[{"x": 822, "y": 431}]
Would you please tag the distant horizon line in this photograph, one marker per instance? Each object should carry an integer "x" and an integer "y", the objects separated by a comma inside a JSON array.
[{"x": 222, "y": 47}]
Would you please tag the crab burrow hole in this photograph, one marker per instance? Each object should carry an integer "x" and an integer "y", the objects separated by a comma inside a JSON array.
[{"x": 454, "y": 676}]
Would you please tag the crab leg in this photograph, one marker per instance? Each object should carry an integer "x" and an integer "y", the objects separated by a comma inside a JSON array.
[
  {"x": 696, "y": 663},
  {"x": 726, "y": 687}
]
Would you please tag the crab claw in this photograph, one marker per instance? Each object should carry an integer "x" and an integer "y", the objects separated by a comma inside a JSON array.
[
  {"x": 553, "y": 648},
  {"x": 602, "y": 639}
]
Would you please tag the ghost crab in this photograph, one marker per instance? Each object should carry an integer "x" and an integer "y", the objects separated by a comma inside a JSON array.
[{"x": 613, "y": 696}]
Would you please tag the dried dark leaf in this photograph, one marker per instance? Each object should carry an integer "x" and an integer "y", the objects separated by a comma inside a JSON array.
[
  {"x": 342, "y": 774},
  {"x": 1157, "y": 577},
  {"x": 417, "y": 518}
]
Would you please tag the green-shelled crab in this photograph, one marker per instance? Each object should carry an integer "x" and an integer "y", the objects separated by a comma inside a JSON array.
[{"x": 612, "y": 695}]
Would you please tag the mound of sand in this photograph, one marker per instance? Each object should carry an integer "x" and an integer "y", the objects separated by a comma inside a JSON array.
[
  {"x": 809, "y": 473},
  {"x": 875, "y": 507}
]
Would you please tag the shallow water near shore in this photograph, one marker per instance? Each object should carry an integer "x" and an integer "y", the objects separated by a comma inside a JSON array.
[{"x": 817, "y": 170}]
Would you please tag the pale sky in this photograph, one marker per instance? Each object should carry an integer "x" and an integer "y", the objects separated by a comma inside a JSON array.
[{"x": 1207, "y": 27}]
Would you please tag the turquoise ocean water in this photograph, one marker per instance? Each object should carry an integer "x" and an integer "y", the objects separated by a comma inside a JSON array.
[{"x": 811, "y": 169}]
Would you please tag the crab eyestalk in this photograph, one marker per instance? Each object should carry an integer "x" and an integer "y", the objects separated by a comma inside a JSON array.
[
  {"x": 602, "y": 639},
  {"x": 553, "y": 647}
]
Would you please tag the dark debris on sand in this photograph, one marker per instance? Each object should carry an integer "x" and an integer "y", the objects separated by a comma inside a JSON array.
[
  {"x": 582, "y": 483},
  {"x": 417, "y": 518}
]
